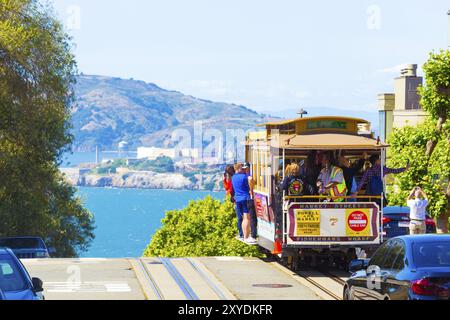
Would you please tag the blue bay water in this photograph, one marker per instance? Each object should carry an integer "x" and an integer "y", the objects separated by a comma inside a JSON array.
[{"x": 126, "y": 219}]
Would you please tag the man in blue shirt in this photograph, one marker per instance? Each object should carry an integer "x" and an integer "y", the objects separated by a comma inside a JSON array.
[
  {"x": 251, "y": 206},
  {"x": 241, "y": 189}
]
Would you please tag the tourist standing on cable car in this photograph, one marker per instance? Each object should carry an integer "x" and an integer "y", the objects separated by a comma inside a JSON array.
[
  {"x": 295, "y": 184},
  {"x": 227, "y": 182},
  {"x": 374, "y": 180},
  {"x": 350, "y": 171},
  {"x": 331, "y": 179},
  {"x": 251, "y": 204},
  {"x": 241, "y": 189},
  {"x": 312, "y": 168}
]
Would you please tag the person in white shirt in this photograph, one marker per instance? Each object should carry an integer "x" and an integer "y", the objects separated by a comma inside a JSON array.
[{"x": 418, "y": 203}]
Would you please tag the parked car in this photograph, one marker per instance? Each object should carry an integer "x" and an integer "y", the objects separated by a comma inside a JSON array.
[
  {"x": 15, "y": 282},
  {"x": 403, "y": 268},
  {"x": 26, "y": 247},
  {"x": 396, "y": 222}
]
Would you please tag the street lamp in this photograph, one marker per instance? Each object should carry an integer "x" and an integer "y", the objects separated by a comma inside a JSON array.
[{"x": 302, "y": 113}]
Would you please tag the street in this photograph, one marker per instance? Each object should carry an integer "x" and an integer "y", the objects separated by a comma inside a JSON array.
[{"x": 220, "y": 278}]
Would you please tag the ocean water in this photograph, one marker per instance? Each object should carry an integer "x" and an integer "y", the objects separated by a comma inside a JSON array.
[{"x": 126, "y": 219}]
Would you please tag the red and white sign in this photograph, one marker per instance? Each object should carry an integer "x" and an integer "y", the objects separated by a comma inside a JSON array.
[{"x": 357, "y": 221}]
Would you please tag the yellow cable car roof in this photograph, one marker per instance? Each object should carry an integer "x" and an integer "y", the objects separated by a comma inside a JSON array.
[
  {"x": 326, "y": 141},
  {"x": 285, "y": 122}
]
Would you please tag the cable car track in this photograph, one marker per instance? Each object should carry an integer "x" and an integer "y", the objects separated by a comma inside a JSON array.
[
  {"x": 156, "y": 290},
  {"x": 320, "y": 286},
  {"x": 334, "y": 277},
  {"x": 178, "y": 272},
  {"x": 312, "y": 276}
]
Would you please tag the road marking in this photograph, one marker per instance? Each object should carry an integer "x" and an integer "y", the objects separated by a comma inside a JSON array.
[
  {"x": 229, "y": 259},
  {"x": 64, "y": 261},
  {"x": 87, "y": 287}
]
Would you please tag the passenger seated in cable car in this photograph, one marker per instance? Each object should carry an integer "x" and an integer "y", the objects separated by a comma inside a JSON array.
[
  {"x": 295, "y": 184},
  {"x": 331, "y": 180}
]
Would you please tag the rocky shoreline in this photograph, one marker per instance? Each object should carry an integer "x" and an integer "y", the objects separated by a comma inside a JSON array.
[{"x": 144, "y": 180}]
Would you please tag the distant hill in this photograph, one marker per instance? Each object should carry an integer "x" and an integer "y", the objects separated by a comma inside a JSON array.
[{"x": 110, "y": 110}]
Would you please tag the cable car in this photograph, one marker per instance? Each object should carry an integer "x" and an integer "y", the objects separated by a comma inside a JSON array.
[{"x": 313, "y": 228}]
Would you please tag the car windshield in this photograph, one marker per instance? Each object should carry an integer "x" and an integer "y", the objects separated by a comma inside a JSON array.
[
  {"x": 431, "y": 254},
  {"x": 21, "y": 243},
  {"x": 11, "y": 277}
]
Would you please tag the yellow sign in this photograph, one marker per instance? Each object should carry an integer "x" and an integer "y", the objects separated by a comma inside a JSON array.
[
  {"x": 358, "y": 222},
  {"x": 308, "y": 222}
]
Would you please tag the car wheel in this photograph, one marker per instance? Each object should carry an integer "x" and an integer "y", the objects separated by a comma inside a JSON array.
[{"x": 347, "y": 294}]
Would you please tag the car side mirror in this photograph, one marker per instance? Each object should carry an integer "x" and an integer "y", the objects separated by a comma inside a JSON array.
[
  {"x": 38, "y": 285},
  {"x": 358, "y": 264}
]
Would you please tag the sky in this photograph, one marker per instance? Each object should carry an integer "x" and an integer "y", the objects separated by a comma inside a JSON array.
[{"x": 271, "y": 56}]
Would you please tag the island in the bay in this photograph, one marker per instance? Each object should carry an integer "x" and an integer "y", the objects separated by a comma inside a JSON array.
[{"x": 138, "y": 128}]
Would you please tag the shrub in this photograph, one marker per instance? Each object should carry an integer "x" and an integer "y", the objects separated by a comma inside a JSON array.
[{"x": 204, "y": 228}]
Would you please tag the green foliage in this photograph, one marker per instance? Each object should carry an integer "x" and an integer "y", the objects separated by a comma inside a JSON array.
[
  {"x": 204, "y": 228},
  {"x": 110, "y": 167},
  {"x": 409, "y": 144},
  {"x": 190, "y": 176},
  {"x": 435, "y": 94},
  {"x": 37, "y": 73},
  {"x": 160, "y": 165},
  {"x": 426, "y": 146}
]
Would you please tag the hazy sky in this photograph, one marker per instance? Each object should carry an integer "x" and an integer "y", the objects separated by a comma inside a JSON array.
[{"x": 267, "y": 55}]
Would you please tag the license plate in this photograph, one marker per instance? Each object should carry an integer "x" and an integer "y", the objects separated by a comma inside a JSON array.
[{"x": 403, "y": 224}]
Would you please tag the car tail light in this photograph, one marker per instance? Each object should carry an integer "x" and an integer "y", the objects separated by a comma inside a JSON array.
[
  {"x": 424, "y": 287},
  {"x": 386, "y": 220}
]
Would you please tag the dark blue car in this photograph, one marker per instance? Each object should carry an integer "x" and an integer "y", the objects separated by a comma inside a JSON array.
[
  {"x": 15, "y": 282},
  {"x": 396, "y": 222},
  {"x": 26, "y": 247},
  {"x": 403, "y": 268}
]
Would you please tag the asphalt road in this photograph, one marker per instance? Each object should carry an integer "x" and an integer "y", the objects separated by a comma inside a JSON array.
[{"x": 168, "y": 279}]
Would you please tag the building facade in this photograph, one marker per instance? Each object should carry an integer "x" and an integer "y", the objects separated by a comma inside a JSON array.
[{"x": 402, "y": 107}]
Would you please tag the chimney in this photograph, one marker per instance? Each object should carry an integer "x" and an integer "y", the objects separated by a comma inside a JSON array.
[{"x": 410, "y": 70}]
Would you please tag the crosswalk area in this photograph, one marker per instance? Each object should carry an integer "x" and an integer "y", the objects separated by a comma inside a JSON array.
[{"x": 86, "y": 287}]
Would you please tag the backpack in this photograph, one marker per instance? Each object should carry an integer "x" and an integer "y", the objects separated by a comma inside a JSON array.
[{"x": 296, "y": 187}]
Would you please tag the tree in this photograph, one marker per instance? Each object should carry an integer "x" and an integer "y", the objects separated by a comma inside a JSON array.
[
  {"x": 204, "y": 228},
  {"x": 431, "y": 174},
  {"x": 427, "y": 145},
  {"x": 37, "y": 74},
  {"x": 436, "y": 101}
]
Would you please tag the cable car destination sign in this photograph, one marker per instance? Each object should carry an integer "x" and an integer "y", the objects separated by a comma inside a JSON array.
[{"x": 331, "y": 223}]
